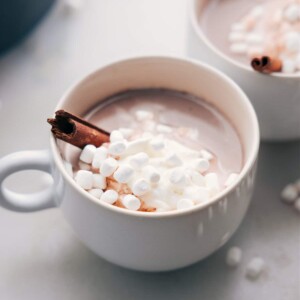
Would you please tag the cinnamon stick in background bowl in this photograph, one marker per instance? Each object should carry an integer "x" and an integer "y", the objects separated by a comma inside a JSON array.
[
  {"x": 76, "y": 131},
  {"x": 266, "y": 64}
]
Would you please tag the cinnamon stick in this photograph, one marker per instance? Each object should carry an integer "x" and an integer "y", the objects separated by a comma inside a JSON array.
[
  {"x": 76, "y": 131},
  {"x": 266, "y": 64}
]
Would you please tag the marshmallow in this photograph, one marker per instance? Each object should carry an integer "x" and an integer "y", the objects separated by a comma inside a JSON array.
[
  {"x": 116, "y": 136},
  {"x": 126, "y": 132},
  {"x": 297, "y": 204},
  {"x": 99, "y": 181},
  {"x": 161, "y": 128},
  {"x": 195, "y": 177},
  {"x": 149, "y": 126},
  {"x": 138, "y": 145},
  {"x": 254, "y": 38},
  {"x": 236, "y": 36},
  {"x": 255, "y": 268},
  {"x": 288, "y": 66},
  {"x": 234, "y": 257},
  {"x": 172, "y": 160},
  {"x": 202, "y": 165},
  {"x": 109, "y": 196},
  {"x": 292, "y": 41},
  {"x": 123, "y": 173},
  {"x": 257, "y": 11},
  {"x": 87, "y": 154},
  {"x": 157, "y": 144},
  {"x": 206, "y": 154},
  {"x": 298, "y": 62},
  {"x": 84, "y": 179},
  {"x": 240, "y": 27},
  {"x": 131, "y": 202},
  {"x": 99, "y": 156},
  {"x": 212, "y": 183},
  {"x": 239, "y": 48},
  {"x": 183, "y": 204},
  {"x": 151, "y": 174},
  {"x": 255, "y": 51},
  {"x": 292, "y": 12},
  {"x": 232, "y": 178},
  {"x": 289, "y": 194},
  {"x": 143, "y": 115},
  {"x": 96, "y": 193},
  {"x": 108, "y": 166},
  {"x": 138, "y": 160},
  {"x": 177, "y": 177},
  {"x": 117, "y": 148},
  {"x": 297, "y": 185},
  {"x": 198, "y": 194},
  {"x": 161, "y": 206},
  {"x": 140, "y": 187}
]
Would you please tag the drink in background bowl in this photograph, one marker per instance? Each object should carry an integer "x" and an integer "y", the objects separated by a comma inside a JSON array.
[{"x": 218, "y": 34}]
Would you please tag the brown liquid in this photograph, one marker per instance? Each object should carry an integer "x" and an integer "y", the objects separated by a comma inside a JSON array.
[
  {"x": 175, "y": 109},
  {"x": 216, "y": 19}
]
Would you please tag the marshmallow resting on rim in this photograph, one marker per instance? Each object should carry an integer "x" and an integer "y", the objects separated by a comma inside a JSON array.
[
  {"x": 131, "y": 202},
  {"x": 84, "y": 179}
]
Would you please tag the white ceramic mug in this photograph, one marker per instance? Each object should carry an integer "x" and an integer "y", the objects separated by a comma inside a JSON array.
[
  {"x": 139, "y": 240},
  {"x": 276, "y": 98}
]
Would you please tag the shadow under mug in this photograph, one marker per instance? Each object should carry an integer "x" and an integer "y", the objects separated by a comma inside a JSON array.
[
  {"x": 275, "y": 97},
  {"x": 137, "y": 240}
]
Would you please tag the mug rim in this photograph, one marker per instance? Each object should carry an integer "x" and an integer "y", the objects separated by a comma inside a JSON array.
[
  {"x": 247, "y": 166},
  {"x": 193, "y": 17}
]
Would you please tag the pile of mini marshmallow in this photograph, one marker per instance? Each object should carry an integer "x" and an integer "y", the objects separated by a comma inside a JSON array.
[
  {"x": 149, "y": 171},
  {"x": 271, "y": 29}
]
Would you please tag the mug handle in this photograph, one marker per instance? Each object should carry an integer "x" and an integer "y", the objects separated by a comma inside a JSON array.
[{"x": 19, "y": 161}]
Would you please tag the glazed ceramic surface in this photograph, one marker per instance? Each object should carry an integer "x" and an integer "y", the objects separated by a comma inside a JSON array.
[{"x": 137, "y": 240}]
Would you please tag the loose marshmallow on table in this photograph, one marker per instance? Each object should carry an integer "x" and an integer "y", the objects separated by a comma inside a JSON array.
[
  {"x": 131, "y": 202},
  {"x": 84, "y": 179},
  {"x": 289, "y": 194},
  {"x": 87, "y": 154},
  {"x": 297, "y": 204},
  {"x": 109, "y": 196},
  {"x": 234, "y": 257},
  {"x": 108, "y": 166},
  {"x": 255, "y": 268}
]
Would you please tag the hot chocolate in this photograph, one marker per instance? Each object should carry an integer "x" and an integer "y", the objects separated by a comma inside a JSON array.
[
  {"x": 168, "y": 150},
  {"x": 244, "y": 29}
]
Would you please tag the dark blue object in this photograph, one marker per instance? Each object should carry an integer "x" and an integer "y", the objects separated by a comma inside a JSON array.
[{"x": 18, "y": 18}]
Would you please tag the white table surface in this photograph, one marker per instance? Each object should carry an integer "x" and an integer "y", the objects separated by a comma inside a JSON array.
[{"x": 40, "y": 257}]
